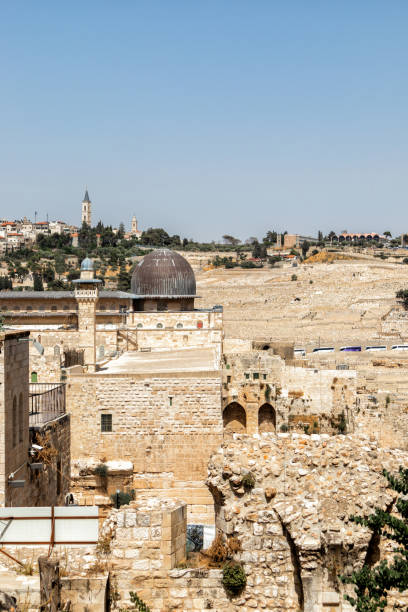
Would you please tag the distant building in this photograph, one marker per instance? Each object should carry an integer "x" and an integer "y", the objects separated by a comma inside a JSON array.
[
  {"x": 291, "y": 241},
  {"x": 350, "y": 237},
  {"x": 134, "y": 231},
  {"x": 86, "y": 209}
]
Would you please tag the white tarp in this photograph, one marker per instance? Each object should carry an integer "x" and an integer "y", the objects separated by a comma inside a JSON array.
[{"x": 33, "y": 525}]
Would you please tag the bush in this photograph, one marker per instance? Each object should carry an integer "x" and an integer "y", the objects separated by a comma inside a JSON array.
[
  {"x": 233, "y": 578},
  {"x": 248, "y": 481},
  {"x": 218, "y": 550},
  {"x": 284, "y": 428},
  {"x": 123, "y": 498},
  {"x": 101, "y": 470},
  {"x": 138, "y": 604},
  {"x": 293, "y": 277}
]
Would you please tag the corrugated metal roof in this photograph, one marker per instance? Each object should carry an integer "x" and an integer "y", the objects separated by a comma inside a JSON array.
[{"x": 163, "y": 273}]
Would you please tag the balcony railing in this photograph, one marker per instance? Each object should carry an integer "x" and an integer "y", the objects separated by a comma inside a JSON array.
[{"x": 47, "y": 402}]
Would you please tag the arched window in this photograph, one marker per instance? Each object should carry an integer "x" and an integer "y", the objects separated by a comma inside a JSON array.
[
  {"x": 266, "y": 418},
  {"x": 34, "y": 377},
  {"x": 14, "y": 421},
  {"x": 234, "y": 418},
  {"x": 20, "y": 418},
  {"x": 57, "y": 351},
  {"x": 159, "y": 326},
  {"x": 179, "y": 326},
  {"x": 139, "y": 326}
]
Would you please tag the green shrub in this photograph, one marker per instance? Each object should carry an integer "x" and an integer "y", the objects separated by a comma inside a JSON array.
[
  {"x": 122, "y": 498},
  {"x": 138, "y": 604},
  {"x": 233, "y": 578},
  {"x": 293, "y": 277},
  {"x": 101, "y": 470},
  {"x": 284, "y": 427},
  {"x": 248, "y": 481}
]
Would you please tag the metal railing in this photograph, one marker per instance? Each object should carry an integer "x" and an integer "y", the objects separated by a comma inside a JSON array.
[{"x": 47, "y": 402}]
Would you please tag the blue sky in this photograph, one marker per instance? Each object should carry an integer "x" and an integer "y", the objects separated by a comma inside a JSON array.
[{"x": 207, "y": 117}]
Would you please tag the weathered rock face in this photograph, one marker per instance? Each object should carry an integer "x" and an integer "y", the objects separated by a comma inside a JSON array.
[{"x": 293, "y": 525}]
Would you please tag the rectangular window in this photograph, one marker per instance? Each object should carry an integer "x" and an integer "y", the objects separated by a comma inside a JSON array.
[
  {"x": 170, "y": 400},
  {"x": 228, "y": 379},
  {"x": 264, "y": 376},
  {"x": 256, "y": 375},
  {"x": 247, "y": 375},
  {"x": 106, "y": 422}
]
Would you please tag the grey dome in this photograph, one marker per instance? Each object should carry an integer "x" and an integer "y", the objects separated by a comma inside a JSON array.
[
  {"x": 163, "y": 273},
  {"x": 87, "y": 264}
]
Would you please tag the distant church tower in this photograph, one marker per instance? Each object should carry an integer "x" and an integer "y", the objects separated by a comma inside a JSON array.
[
  {"x": 86, "y": 209},
  {"x": 134, "y": 225},
  {"x": 135, "y": 231}
]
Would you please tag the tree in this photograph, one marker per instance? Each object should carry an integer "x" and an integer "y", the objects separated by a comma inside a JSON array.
[
  {"x": 305, "y": 248},
  {"x": 387, "y": 233},
  {"x": 319, "y": 236},
  {"x": 373, "y": 583},
  {"x": 230, "y": 239},
  {"x": 271, "y": 237},
  {"x": 123, "y": 278},
  {"x": 48, "y": 274},
  {"x": 155, "y": 236},
  {"x": 38, "y": 284},
  {"x": 121, "y": 230}
]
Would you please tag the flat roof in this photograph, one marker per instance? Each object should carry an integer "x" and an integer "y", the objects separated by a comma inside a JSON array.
[{"x": 180, "y": 360}]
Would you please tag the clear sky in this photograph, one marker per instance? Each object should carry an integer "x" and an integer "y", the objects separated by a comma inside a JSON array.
[{"x": 207, "y": 117}]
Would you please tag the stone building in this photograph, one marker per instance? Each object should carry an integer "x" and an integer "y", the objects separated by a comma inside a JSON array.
[
  {"x": 29, "y": 413},
  {"x": 86, "y": 209}
]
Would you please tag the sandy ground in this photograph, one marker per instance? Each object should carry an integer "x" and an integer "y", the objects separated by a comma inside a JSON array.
[{"x": 341, "y": 302}]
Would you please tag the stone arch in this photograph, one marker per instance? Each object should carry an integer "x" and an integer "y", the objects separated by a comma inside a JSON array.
[
  {"x": 266, "y": 418},
  {"x": 234, "y": 418}
]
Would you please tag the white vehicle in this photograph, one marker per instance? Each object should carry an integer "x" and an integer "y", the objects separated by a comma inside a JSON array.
[
  {"x": 300, "y": 352},
  {"x": 326, "y": 349},
  {"x": 376, "y": 348},
  {"x": 399, "y": 347}
]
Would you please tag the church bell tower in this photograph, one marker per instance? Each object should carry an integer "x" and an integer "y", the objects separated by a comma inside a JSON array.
[{"x": 86, "y": 209}]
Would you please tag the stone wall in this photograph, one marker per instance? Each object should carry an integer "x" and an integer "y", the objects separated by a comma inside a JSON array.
[
  {"x": 14, "y": 433},
  {"x": 40, "y": 487},
  {"x": 50, "y": 487},
  {"x": 174, "y": 330},
  {"x": 296, "y": 397},
  {"x": 293, "y": 525},
  {"x": 56, "y": 342},
  {"x": 165, "y": 425}
]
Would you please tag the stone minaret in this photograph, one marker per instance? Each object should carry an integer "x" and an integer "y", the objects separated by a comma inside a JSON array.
[
  {"x": 86, "y": 209},
  {"x": 87, "y": 295}
]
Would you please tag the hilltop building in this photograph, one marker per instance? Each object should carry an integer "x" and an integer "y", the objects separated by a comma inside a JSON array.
[
  {"x": 86, "y": 209},
  {"x": 135, "y": 231}
]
